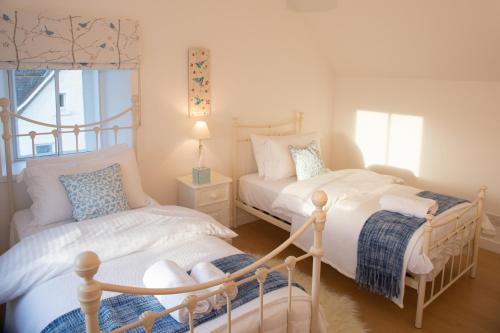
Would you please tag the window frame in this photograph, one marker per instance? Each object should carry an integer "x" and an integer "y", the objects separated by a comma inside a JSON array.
[{"x": 15, "y": 131}]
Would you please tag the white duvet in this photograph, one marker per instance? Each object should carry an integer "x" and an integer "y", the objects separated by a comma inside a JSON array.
[
  {"x": 353, "y": 196},
  {"x": 37, "y": 276},
  {"x": 49, "y": 253}
]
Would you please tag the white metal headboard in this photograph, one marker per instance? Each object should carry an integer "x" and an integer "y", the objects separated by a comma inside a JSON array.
[
  {"x": 241, "y": 136},
  {"x": 57, "y": 131},
  {"x": 242, "y": 132}
]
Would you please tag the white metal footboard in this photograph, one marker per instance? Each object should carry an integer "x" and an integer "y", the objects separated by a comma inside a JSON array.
[
  {"x": 462, "y": 245},
  {"x": 89, "y": 293}
]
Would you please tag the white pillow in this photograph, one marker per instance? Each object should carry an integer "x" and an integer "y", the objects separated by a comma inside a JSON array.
[
  {"x": 50, "y": 201},
  {"x": 76, "y": 157},
  {"x": 130, "y": 174},
  {"x": 70, "y": 158},
  {"x": 259, "y": 150},
  {"x": 278, "y": 162}
]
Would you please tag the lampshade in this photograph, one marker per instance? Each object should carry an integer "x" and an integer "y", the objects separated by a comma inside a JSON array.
[{"x": 200, "y": 130}]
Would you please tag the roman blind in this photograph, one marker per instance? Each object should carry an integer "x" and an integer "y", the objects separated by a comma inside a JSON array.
[{"x": 29, "y": 40}]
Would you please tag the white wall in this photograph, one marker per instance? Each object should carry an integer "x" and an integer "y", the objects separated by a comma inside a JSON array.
[
  {"x": 461, "y": 119},
  {"x": 264, "y": 66},
  {"x": 427, "y": 39}
]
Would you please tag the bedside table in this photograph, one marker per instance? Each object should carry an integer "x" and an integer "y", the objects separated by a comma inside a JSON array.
[{"x": 212, "y": 198}]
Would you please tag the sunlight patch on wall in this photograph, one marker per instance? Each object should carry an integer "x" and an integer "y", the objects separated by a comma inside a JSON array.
[{"x": 390, "y": 139}]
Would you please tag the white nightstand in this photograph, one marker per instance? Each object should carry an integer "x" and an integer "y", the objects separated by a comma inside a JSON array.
[{"x": 212, "y": 198}]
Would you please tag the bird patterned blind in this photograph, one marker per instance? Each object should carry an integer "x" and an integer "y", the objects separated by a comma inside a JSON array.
[{"x": 33, "y": 41}]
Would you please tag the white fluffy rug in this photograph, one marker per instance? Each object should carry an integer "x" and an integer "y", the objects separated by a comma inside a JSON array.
[{"x": 340, "y": 311}]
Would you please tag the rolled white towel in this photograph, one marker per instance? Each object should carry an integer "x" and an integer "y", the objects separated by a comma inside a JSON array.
[
  {"x": 167, "y": 274},
  {"x": 408, "y": 205},
  {"x": 204, "y": 272}
]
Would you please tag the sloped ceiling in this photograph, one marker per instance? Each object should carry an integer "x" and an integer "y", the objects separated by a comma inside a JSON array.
[{"x": 433, "y": 39}]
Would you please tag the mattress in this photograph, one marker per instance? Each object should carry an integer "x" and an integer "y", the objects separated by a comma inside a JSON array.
[
  {"x": 23, "y": 226},
  {"x": 259, "y": 193}
]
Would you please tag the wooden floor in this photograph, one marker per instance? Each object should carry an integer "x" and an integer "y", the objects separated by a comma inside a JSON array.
[{"x": 471, "y": 305}]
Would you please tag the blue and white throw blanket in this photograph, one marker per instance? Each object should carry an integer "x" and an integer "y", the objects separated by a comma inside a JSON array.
[
  {"x": 382, "y": 246},
  {"x": 123, "y": 309}
]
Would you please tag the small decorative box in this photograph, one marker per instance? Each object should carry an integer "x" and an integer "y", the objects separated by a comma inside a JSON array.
[{"x": 201, "y": 175}]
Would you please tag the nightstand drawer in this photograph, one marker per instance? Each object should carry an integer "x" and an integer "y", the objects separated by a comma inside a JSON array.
[
  {"x": 213, "y": 198},
  {"x": 212, "y": 195},
  {"x": 219, "y": 211}
]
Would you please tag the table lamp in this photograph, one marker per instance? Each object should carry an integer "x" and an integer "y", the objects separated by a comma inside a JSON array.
[{"x": 201, "y": 174}]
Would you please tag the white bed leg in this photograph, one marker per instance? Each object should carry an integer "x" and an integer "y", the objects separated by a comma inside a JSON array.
[
  {"x": 477, "y": 235},
  {"x": 89, "y": 294},
  {"x": 319, "y": 200},
  {"x": 420, "y": 301},
  {"x": 422, "y": 279}
]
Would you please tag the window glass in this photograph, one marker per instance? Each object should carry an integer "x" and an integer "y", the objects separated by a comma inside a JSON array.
[
  {"x": 66, "y": 98},
  {"x": 74, "y": 86},
  {"x": 35, "y": 99}
]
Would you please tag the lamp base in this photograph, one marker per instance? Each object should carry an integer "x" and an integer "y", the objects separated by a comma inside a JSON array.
[{"x": 201, "y": 175}]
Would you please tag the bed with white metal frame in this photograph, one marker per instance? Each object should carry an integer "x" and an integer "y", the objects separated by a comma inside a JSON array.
[
  {"x": 87, "y": 263},
  {"x": 462, "y": 221}
]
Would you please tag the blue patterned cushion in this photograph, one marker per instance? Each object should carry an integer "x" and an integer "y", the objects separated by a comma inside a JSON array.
[
  {"x": 96, "y": 193},
  {"x": 307, "y": 160}
]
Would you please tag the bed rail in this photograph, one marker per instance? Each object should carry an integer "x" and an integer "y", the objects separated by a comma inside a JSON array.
[
  {"x": 463, "y": 237},
  {"x": 89, "y": 293}
]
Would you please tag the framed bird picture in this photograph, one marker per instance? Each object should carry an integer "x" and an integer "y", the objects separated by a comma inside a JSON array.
[{"x": 199, "y": 82}]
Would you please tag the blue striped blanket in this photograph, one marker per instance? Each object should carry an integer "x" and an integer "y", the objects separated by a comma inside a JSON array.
[
  {"x": 382, "y": 245},
  {"x": 123, "y": 309}
]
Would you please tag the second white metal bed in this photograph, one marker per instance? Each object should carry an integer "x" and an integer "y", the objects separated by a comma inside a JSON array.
[{"x": 465, "y": 221}]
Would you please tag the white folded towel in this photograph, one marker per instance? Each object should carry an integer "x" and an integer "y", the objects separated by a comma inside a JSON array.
[
  {"x": 167, "y": 274},
  {"x": 408, "y": 205},
  {"x": 204, "y": 272}
]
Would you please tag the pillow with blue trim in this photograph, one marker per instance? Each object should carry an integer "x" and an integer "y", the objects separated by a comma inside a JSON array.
[
  {"x": 96, "y": 193},
  {"x": 308, "y": 162}
]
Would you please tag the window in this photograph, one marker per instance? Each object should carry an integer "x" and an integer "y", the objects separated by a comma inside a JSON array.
[{"x": 65, "y": 97}]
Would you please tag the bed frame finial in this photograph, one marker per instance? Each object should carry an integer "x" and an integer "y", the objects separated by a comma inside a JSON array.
[
  {"x": 89, "y": 294},
  {"x": 319, "y": 199},
  {"x": 4, "y": 103},
  {"x": 482, "y": 191},
  {"x": 86, "y": 265}
]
